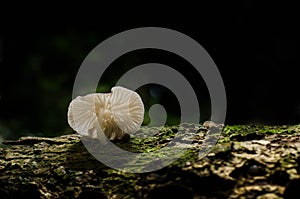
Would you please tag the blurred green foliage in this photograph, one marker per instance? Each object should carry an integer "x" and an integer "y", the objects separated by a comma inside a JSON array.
[{"x": 38, "y": 72}]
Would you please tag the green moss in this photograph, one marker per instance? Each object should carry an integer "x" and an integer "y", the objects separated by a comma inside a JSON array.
[
  {"x": 64, "y": 161},
  {"x": 249, "y": 132}
]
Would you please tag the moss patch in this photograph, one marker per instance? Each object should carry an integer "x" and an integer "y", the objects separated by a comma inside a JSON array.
[{"x": 248, "y": 161}]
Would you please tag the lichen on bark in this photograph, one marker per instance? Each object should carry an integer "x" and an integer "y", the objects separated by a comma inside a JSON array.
[{"x": 251, "y": 161}]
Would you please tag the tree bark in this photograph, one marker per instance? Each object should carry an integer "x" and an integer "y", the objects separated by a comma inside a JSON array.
[{"x": 248, "y": 161}]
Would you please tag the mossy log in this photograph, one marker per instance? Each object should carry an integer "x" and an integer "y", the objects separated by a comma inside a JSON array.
[{"x": 248, "y": 162}]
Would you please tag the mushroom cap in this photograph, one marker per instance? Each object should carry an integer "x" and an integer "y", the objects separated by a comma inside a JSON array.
[
  {"x": 112, "y": 114},
  {"x": 127, "y": 108}
]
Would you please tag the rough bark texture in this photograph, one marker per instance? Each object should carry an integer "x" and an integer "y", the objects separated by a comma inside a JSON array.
[{"x": 248, "y": 162}]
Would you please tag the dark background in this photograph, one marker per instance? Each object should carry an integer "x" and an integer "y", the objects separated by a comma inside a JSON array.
[{"x": 255, "y": 46}]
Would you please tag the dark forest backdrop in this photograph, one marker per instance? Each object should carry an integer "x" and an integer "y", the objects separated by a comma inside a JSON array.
[{"x": 255, "y": 47}]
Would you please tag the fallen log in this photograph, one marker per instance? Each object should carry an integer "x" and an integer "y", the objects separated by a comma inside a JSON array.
[{"x": 248, "y": 161}]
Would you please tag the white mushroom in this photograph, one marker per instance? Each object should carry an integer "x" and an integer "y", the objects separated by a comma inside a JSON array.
[{"x": 111, "y": 114}]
